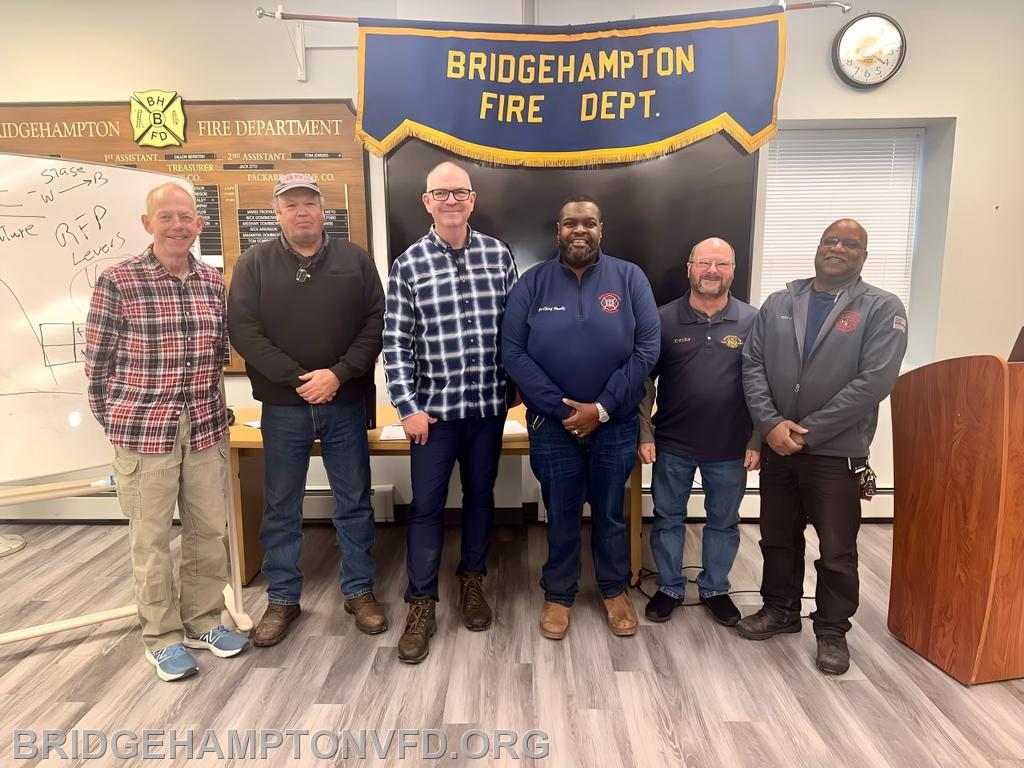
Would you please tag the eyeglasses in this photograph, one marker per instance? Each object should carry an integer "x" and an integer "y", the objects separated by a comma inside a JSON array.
[
  {"x": 850, "y": 245},
  {"x": 706, "y": 264},
  {"x": 461, "y": 195}
]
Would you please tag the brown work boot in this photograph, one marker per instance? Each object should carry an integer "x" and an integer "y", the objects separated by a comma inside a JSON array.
[
  {"x": 554, "y": 621},
  {"x": 621, "y": 616},
  {"x": 476, "y": 613},
  {"x": 369, "y": 615},
  {"x": 274, "y": 624},
  {"x": 420, "y": 626}
]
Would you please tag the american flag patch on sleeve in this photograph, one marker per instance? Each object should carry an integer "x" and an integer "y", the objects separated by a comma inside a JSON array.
[{"x": 899, "y": 324}]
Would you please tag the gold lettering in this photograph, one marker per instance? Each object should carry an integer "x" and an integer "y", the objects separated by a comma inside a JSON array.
[
  {"x": 544, "y": 75},
  {"x": 456, "y": 64},
  {"x": 587, "y": 68},
  {"x": 607, "y": 64},
  {"x": 477, "y": 65},
  {"x": 684, "y": 59},
  {"x": 588, "y": 107},
  {"x": 534, "y": 116},
  {"x": 527, "y": 68}
]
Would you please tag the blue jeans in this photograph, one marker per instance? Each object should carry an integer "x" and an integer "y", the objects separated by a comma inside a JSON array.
[
  {"x": 476, "y": 443},
  {"x": 288, "y": 434},
  {"x": 573, "y": 470},
  {"x": 724, "y": 483}
]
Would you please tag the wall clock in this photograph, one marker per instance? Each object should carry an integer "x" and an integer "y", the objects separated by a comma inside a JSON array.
[{"x": 869, "y": 50}]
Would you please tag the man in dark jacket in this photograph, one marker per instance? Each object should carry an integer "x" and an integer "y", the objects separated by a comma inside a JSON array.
[
  {"x": 822, "y": 355},
  {"x": 580, "y": 336},
  {"x": 306, "y": 312},
  {"x": 702, "y": 423}
]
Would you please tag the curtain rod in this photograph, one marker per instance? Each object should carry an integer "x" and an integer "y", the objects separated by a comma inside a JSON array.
[{"x": 281, "y": 15}]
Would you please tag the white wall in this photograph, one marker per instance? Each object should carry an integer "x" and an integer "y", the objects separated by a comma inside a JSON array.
[{"x": 962, "y": 79}]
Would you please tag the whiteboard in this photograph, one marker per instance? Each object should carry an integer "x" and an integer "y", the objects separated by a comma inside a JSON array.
[{"x": 62, "y": 222}]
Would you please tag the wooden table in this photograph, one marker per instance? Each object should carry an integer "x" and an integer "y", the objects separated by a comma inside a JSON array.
[{"x": 247, "y": 481}]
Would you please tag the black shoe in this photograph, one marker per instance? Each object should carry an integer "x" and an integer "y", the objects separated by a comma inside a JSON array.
[
  {"x": 722, "y": 608},
  {"x": 833, "y": 654},
  {"x": 659, "y": 607},
  {"x": 764, "y": 624}
]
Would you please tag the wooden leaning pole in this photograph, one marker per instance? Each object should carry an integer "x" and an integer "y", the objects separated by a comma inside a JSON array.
[{"x": 30, "y": 493}]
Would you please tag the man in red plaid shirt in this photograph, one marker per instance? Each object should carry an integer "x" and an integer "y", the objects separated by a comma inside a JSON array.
[{"x": 156, "y": 343}]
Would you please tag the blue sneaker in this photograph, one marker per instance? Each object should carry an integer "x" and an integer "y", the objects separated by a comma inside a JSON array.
[
  {"x": 220, "y": 641},
  {"x": 172, "y": 662}
]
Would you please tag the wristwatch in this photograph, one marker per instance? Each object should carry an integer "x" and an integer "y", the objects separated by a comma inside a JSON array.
[{"x": 602, "y": 414}]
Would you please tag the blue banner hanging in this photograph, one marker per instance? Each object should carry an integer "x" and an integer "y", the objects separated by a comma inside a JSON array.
[{"x": 571, "y": 96}]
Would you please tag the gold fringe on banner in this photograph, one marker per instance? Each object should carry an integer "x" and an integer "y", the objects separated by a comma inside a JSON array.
[{"x": 497, "y": 156}]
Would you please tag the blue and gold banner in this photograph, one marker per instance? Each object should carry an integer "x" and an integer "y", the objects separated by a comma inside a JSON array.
[{"x": 569, "y": 96}]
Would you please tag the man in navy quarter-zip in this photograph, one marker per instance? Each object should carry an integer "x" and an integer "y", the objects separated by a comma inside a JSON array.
[
  {"x": 822, "y": 355},
  {"x": 580, "y": 335}
]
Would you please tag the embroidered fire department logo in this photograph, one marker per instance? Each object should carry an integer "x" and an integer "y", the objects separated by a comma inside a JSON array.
[
  {"x": 847, "y": 322},
  {"x": 158, "y": 119},
  {"x": 732, "y": 342},
  {"x": 609, "y": 301}
]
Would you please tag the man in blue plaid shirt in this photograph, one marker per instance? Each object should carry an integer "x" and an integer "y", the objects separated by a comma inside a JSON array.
[{"x": 442, "y": 356}]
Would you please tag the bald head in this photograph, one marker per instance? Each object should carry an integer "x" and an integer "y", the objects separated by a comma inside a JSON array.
[
  {"x": 849, "y": 226},
  {"x": 448, "y": 175},
  {"x": 711, "y": 267},
  {"x": 451, "y": 212},
  {"x": 712, "y": 248},
  {"x": 840, "y": 256}
]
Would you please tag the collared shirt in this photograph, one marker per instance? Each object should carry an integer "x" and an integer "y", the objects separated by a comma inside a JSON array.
[
  {"x": 702, "y": 413},
  {"x": 442, "y": 327},
  {"x": 156, "y": 344}
]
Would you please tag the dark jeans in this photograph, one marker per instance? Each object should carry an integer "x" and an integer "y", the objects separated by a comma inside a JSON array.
[
  {"x": 476, "y": 443},
  {"x": 573, "y": 470},
  {"x": 288, "y": 434},
  {"x": 821, "y": 490}
]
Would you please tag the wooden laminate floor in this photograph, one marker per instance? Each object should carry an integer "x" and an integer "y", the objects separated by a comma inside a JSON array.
[{"x": 687, "y": 692}]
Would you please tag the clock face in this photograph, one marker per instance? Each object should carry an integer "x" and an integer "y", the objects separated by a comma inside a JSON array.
[{"x": 869, "y": 50}]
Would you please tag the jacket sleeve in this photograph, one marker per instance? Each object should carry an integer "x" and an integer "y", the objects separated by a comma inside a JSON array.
[
  {"x": 245, "y": 327},
  {"x": 364, "y": 349},
  {"x": 102, "y": 332},
  {"x": 622, "y": 385},
  {"x": 539, "y": 392},
  {"x": 881, "y": 355},
  {"x": 400, "y": 343},
  {"x": 646, "y": 408},
  {"x": 760, "y": 402}
]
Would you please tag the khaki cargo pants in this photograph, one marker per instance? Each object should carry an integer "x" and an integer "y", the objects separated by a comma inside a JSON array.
[{"x": 148, "y": 486}]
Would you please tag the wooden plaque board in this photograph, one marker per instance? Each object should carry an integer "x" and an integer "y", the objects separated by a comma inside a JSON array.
[{"x": 231, "y": 151}]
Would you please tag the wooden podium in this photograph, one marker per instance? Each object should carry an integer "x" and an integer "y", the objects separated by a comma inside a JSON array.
[{"x": 957, "y": 592}]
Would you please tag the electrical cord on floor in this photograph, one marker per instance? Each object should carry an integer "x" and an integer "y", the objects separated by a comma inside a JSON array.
[{"x": 647, "y": 573}]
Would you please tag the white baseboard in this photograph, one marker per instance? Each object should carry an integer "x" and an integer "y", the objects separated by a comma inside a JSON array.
[{"x": 880, "y": 507}]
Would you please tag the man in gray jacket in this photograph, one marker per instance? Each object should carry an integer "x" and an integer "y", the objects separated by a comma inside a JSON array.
[{"x": 821, "y": 356}]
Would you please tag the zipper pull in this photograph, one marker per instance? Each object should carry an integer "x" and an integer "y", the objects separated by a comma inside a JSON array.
[{"x": 797, "y": 388}]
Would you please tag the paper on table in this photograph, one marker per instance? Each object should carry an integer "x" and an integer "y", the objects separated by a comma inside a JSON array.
[
  {"x": 513, "y": 427},
  {"x": 251, "y": 424},
  {"x": 393, "y": 432}
]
